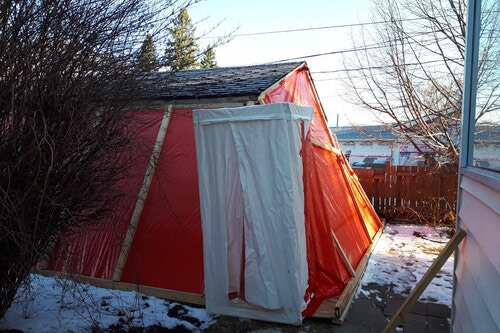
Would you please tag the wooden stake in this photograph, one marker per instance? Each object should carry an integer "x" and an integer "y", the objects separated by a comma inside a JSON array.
[{"x": 424, "y": 282}]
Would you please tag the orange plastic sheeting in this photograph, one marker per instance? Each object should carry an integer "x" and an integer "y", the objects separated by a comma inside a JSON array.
[
  {"x": 297, "y": 88},
  {"x": 329, "y": 204},
  {"x": 93, "y": 252},
  {"x": 167, "y": 251},
  {"x": 369, "y": 215},
  {"x": 329, "y": 207}
]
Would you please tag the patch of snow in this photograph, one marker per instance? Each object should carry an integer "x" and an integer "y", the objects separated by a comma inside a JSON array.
[
  {"x": 402, "y": 256},
  {"x": 53, "y": 305}
]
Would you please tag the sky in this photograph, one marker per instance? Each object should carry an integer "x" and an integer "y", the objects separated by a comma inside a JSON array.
[{"x": 263, "y": 16}]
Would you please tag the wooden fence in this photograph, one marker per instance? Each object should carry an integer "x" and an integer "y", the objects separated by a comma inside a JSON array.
[{"x": 411, "y": 192}]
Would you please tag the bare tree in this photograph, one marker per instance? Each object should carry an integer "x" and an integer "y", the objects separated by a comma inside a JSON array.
[
  {"x": 410, "y": 69},
  {"x": 67, "y": 69}
]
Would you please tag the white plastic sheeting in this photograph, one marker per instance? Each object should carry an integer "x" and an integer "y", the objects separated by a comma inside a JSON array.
[{"x": 252, "y": 210}]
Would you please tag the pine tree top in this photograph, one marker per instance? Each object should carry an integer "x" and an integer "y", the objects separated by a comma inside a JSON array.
[
  {"x": 148, "y": 60},
  {"x": 208, "y": 60},
  {"x": 182, "y": 50}
]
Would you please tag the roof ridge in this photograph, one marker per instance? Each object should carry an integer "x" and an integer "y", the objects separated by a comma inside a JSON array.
[{"x": 239, "y": 67}]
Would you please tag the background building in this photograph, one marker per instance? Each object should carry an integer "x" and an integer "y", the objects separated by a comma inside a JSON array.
[{"x": 372, "y": 146}]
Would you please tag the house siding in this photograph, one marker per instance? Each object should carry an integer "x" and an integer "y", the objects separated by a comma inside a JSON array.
[{"x": 477, "y": 274}]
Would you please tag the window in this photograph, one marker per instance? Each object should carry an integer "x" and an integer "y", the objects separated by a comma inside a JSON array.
[{"x": 485, "y": 100}]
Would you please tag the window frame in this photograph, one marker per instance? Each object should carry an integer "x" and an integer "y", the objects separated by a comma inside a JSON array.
[{"x": 470, "y": 92}]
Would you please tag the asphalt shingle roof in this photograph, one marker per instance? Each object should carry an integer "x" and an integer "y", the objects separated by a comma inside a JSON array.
[
  {"x": 216, "y": 82},
  {"x": 379, "y": 132},
  {"x": 487, "y": 133}
]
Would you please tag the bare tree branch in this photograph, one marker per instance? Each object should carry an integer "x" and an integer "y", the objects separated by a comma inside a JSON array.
[
  {"x": 423, "y": 101},
  {"x": 68, "y": 69}
]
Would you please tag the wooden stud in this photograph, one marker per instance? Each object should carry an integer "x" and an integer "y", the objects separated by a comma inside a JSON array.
[
  {"x": 194, "y": 103},
  {"x": 141, "y": 199},
  {"x": 322, "y": 109},
  {"x": 424, "y": 282},
  {"x": 336, "y": 308},
  {"x": 325, "y": 146},
  {"x": 172, "y": 295},
  {"x": 343, "y": 255},
  {"x": 346, "y": 297}
]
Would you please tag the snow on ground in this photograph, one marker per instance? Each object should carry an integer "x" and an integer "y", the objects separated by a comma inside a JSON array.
[
  {"x": 55, "y": 305},
  {"x": 401, "y": 257}
]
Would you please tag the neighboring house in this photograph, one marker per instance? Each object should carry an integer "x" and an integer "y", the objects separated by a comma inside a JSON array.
[
  {"x": 374, "y": 145},
  {"x": 487, "y": 146},
  {"x": 476, "y": 301},
  {"x": 366, "y": 146},
  {"x": 363, "y": 142}
]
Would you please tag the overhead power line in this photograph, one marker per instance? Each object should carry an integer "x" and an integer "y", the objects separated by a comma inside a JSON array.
[
  {"x": 357, "y": 49},
  {"x": 378, "y": 67},
  {"x": 311, "y": 28},
  {"x": 360, "y": 69},
  {"x": 376, "y": 46}
]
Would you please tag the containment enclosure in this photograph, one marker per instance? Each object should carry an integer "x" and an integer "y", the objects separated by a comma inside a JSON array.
[{"x": 299, "y": 219}]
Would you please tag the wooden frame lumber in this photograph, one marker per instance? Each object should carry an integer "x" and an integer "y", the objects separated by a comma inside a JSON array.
[
  {"x": 452, "y": 245},
  {"x": 195, "y": 103},
  {"x": 141, "y": 199},
  {"x": 333, "y": 308},
  {"x": 172, "y": 295},
  {"x": 343, "y": 255},
  {"x": 336, "y": 308},
  {"x": 325, "y": 146}
]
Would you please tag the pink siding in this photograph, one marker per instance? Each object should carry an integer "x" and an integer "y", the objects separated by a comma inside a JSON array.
[{"x": 476, "y": 302}]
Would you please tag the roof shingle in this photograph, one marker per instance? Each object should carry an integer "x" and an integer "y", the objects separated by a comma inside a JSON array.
[{"x": 216, "y": 82}]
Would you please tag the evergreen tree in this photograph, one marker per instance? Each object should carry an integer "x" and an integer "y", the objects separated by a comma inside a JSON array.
[
  {"x": 148, "y": 60},
  {"x": 182, "y": 50},
  {"x": 208, "y": 60}
]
